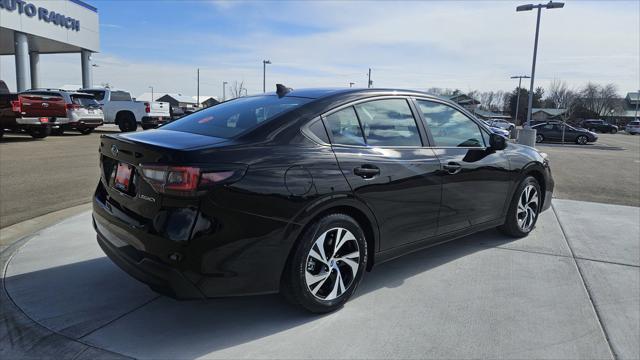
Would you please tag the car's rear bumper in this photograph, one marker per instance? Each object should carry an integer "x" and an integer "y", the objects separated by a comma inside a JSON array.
[{"x": 87, "y": 123}]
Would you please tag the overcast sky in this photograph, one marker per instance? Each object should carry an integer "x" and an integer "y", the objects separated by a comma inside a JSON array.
[{"x": 418, "y": 45}]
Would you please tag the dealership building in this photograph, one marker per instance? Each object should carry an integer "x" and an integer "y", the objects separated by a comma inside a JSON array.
[{"x": 29, "y": 28}]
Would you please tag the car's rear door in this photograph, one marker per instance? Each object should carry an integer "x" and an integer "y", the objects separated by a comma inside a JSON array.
[
  {"x": 379, "y": 147},
  {"x": 475, "y": 178}
]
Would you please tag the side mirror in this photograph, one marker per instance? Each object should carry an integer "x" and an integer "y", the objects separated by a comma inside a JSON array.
[{"x": 497, "y": 142}]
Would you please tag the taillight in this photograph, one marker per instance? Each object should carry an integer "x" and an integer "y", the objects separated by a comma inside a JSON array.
[
  {"x": 147, "y": 107},
  {"x": 187, "y": 180},
  {"x": 72, "y": 106},
  {"x": 44, "y": 120},
  {"x": 16, "y": 106}
]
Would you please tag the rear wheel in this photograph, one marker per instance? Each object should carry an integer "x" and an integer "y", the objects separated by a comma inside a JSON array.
[
  {"x": 40, "y": 132},
  {"x": 614, "y": 130},
  {"x": 147, "y": 127},
  {"x": 539, "y": 138},
  {"x": 582, "y": 140},
  {"x": 126, "y": 122},
  {"x": 523, "y": 210},
  {"x": 326, "y": 265},
  {"x": 86, "y": 130},
  {"x": 58, "y": 131}
]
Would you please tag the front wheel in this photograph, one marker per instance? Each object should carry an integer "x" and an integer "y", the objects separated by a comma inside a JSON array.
[
  {"x": 539, "y": 138},
  {"x": 613, "y": 131},
  {"x": 523, "y": 210},
  {"x": 582, "y": 140},
  {"x": 326, "y": 265}
]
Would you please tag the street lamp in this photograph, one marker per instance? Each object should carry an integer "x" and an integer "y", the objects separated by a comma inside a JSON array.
[
  {"x": 351, "y": 84},
  {"x": 152, "y": 99},
  {"x": 520, "y": 77},
  {"x": 224, "y": 90},
  {"x": 264, "y": 74},
  {"x": 528, "y": 7}
]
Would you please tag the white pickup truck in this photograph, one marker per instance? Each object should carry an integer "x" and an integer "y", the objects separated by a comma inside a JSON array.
[{"x": 121, "y": 109}]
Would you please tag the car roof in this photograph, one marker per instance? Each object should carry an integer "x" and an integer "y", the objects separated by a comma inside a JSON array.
[{"x": 318, "y": 93}]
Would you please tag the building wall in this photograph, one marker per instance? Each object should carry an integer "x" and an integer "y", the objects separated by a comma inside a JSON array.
[{"x": 85, "y": 37}]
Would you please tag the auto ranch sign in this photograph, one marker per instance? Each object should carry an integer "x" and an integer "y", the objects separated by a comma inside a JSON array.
[{"x": 43, "y": 14}]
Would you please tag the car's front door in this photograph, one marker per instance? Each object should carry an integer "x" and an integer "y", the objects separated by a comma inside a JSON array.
[
  {"x": 379, "y": 146},
  {"x": 475, "y": 178}
]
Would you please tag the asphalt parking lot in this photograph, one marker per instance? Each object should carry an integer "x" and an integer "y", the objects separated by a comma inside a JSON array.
[{"x": 39, "y": 177}]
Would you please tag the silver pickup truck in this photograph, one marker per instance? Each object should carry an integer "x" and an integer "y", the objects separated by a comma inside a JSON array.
[{"x": 121, "y": 109}]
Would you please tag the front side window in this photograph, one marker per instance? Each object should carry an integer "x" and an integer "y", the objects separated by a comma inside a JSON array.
[
  {"x": 231, "y": 118},
  {"x": 388, "y": 122},
  {"x": 450, "y": 127},
  {"x": 345, "y": 128}
]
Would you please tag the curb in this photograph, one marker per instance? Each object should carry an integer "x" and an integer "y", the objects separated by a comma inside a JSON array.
[{"x": 15, "y": 232}]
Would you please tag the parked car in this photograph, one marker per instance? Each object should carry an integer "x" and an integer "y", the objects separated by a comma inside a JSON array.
[
  {"x": 553, "y": 131},
  {"x": 19, "y": 113},
  {"x": 121, "y": 109},
  {"x": 77, "y": 111},
  {"x": 502, "y": 124},
  {"x": 594, "y": 125},
  {"x": 633, "y": 127},
  {"x": 302, "y": 191},
  {"x": 500, "y": 131}
]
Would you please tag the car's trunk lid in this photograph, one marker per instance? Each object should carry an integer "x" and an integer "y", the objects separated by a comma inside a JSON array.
[{"x": 36, "y": 105}]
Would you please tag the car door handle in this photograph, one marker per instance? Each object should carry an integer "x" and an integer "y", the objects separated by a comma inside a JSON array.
[
  {"x": 452, "y": 168},
  {"x": 367, "y": 171}
]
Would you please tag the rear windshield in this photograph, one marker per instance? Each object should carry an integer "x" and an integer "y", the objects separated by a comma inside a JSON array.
[
  {"x": 231, "y": 118},
  {"x": 98, "y": 94},
  {"x": 84, "y": 100}
]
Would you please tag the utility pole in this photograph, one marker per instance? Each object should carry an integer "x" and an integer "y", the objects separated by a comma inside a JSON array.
[
  {"x": 369, "y": 83},
  {"x": 519, "y": 77},
  {"x": 198, "y": 91},
  {"x": 152, "y": 98},
  {"x": 264, "y": 74},
  {"x": 224, "y": 90}
]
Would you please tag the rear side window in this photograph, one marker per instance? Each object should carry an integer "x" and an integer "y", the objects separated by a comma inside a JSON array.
[
  {"x": 231, "y": 118},
  {"x": 450, "y": 127},
  {"x": 345, "y": 127},
  {"x": 120, "y": 96},
  {"x": 388, "y": 123}
]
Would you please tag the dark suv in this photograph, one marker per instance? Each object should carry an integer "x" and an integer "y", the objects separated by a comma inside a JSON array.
[
  {"x": 303, "y": 191},
  {"x": 599, "y": 125}
]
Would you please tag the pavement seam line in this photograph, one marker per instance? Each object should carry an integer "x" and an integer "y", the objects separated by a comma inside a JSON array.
[
  {"x": 562, "y": 256},
  {"x": 22, "y": 242},
  {"x": 585, "y": 286},
  {"x": 121, "y": 316}
]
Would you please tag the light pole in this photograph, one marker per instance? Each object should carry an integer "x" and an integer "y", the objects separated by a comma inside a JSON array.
[
  {"x": 351, "y": 84},
  {"x": 198, "y": 90},
  {"x": 152, "y": 99},
  {"x": 369, "y": 83},
  {"x": 224, "y": 90},
  {"x": 520, "y": 77},
  {"x": 264, "y": 74},
  {"x": 637, "y": 101},
  {"x": 529, "y": 7}
]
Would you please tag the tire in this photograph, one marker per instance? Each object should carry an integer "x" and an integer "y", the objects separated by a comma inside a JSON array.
[
  {"x": 1, "y": 133},
  {"x": 59, "y": 131},
  {"x": 613, "y": 131},
  {"x": 126, "y": 122},
  {"x": 592, "y": 130},
  {"x": 86, "y": 131},
  {"x": 311, "y": 278},
  {"x": 523, "y": 213},
  {"x": 539, "y": 138},
  {"x": 40, "y": 132},
  {"x": 582, "y": 140},
  {"x": 147, "y": 127}
]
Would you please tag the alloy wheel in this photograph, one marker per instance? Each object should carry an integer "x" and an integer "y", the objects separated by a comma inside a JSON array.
[
  {"x": 527, "y": 208},
  {"x": 582, "y": 140},
  {"x": 539, "y": 138},
  {"x": 332, "y": 264}
]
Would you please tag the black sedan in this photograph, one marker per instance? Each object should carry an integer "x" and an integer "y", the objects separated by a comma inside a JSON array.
[
  {"x": 558, "y": 131},
  {"x": 304, "y": 191}
]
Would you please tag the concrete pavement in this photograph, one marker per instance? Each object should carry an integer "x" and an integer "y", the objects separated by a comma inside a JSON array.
[{"x": 569, "y": 290}]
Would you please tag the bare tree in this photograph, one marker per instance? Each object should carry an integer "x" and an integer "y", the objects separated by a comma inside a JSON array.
[
  {"x": 562, "y": 97},
  {"x": 237, "y": 89},
  {"x": 601, "y": 100}
]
